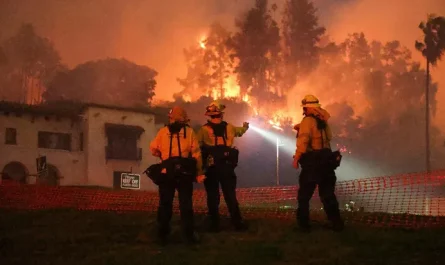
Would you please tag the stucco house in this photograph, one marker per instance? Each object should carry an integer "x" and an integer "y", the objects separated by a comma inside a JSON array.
[{"x": 84, "y": 144}]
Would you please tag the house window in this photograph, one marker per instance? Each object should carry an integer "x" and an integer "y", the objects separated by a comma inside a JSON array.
[
  {"x": 122, "y": 142},
  {"x": 11, "y": 136},
  {"x": 50, "y": 140},
  {"x": 122, "y": 147}
]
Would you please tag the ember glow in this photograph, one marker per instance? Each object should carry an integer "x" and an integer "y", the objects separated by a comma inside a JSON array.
[
  {"x": 343, "y": 149},
  {"x": 202, "y": 43},
  {"x": 275, "y": 123}
]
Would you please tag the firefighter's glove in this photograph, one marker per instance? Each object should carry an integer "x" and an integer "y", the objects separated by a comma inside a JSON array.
[{"x": 246, "y": 125}]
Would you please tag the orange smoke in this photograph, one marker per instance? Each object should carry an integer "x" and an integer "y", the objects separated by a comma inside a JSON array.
[
  {"x": 154, "y": 33},
  {"x": 387, "y": 20}
]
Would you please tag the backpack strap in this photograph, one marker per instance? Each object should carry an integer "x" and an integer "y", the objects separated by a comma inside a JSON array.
[
  {"x": 321, "y": 128},
  {"x": 184, "y": 127},
  {"x": 179, "y": 144},
  {"x": 170, "y": 150},
  {"x": 224, "y": 137}
]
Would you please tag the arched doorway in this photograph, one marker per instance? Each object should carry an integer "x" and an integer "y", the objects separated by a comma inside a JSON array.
[
  {"x": 51, "y": 177},
  {"x": 15, "y": 171}
]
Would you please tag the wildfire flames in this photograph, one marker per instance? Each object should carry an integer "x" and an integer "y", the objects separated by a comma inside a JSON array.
[
  {"x": 202, "y": 42},
  {"x": 274, "y": 113},
  {"x": 231, "y": 90}
]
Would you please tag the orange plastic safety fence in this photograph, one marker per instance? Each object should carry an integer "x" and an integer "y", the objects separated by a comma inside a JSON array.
[{"x": 411, "y": 200}]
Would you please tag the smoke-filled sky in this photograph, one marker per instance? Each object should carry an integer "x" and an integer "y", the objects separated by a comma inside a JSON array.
[{"x": 153, "y": 32}]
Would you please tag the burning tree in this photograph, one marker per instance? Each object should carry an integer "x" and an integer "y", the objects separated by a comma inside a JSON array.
[
  {"x": 28, "y": 64},
  {"x": 372, "y": 89},
  {"x": 196, "y": 82},
  {"x": 209, "y": 67},
  {"x": 217, "y": 59},
  {"x": 256, "y": 47},
  {"x": 302, "y": 35}
]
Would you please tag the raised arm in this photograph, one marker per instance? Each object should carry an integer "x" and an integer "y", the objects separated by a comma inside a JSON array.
[{"x": 240, "y": 131}]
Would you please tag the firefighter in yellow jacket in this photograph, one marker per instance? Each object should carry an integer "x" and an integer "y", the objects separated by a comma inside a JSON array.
[
  {"x": 216, "y": 139},
  {"x": 177, "y": 146},
  {"x": 313, "y": 153}
]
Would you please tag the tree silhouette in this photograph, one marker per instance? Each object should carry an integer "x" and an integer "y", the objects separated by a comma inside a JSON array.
[
  {"x": 111, "y": 81},
  {"x": 302, "y": 35},
  {"x": 217, "y": 58},
  {"x": 255, "y": 45},
  {"x": 432, "y": 48},
  {"x": 208, "y": 66},
  {"x": 30, "y": 62}
]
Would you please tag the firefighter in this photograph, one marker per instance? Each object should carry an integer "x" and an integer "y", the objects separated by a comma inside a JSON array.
[
  {"x": 177, "y": 147},
  {"x": 216, "y": 139},
  {"x": 315, "y": 156}
]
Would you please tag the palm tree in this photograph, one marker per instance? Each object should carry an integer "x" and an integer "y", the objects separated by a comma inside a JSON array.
[{"x": 432, "y": 48}]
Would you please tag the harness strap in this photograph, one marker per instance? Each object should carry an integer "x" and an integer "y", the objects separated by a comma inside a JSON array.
[
  {"x": 321, "y": 132},
  {"x": 224, "y": 137},
  {"x": 179, "y": 142}
]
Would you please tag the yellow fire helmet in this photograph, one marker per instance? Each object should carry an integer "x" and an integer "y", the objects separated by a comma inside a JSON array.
[
  {"x": 310, "y": 101},
  {"x": 178, "y": 114},
  {"x": 214, "y": 108}
]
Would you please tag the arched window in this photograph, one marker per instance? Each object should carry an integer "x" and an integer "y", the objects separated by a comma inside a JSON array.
[{"x": 15, "y": 171}]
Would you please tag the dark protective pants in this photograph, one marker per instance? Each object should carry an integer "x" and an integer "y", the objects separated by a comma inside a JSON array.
[
  {"x": 325, "y": 179},
  {"x": 165, "y": 210},
  {"x": 227, "y": 178}
]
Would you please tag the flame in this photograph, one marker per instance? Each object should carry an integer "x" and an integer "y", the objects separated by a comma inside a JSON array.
[
  {"x": 271, "y": 122},
  {"x": 202, "y": 42},
  {"x": 187, "y": 98},
  {"x": 255, "y": 110},
  {"x": 231, "y": 90}
]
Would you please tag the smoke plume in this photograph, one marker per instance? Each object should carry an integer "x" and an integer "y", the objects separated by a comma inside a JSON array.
[{"x": 154, "y": 33}]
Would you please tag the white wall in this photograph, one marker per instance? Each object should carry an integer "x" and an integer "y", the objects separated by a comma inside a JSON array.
[
  {"x": 98, "y": 169},
  {"x": 71, "y": 165},
  {"x": 88, "y": 167}
]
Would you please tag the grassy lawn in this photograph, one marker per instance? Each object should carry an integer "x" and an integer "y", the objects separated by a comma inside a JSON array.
[{"x": 70, "y": 237}]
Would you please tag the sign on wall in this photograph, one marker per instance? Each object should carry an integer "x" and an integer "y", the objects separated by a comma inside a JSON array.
[
  {"x": 42, "y": 167},
  {"x": 130, "y": 181}
]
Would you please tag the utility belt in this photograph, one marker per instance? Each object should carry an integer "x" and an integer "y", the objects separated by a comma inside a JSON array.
[
  {"x": 180, "y": 167},
  {"x": 154, "y": 172},
  {"x": 220, "y": 155},
  {"x": 174, "y": 168},
  {"x": 323, "y": 158},
  {"x": 319, "y": 159}
]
